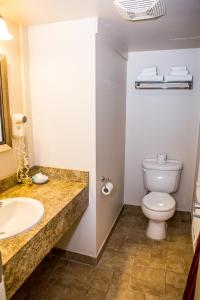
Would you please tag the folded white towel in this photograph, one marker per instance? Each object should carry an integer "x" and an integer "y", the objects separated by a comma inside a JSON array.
[
  {"x": 149, "y": 78},
  {"x": 149, "y": 70},
  {"x": 149, "y": 73},
  {"x": 178, "y": 78},
  {"x": 179, "y": 68},
  {"x": 179, "y": 73}
]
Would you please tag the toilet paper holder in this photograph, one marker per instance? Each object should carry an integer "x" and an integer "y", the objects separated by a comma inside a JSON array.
[
  {"x": 104, "y": 179},
  {"x": 107, "y": 187}
]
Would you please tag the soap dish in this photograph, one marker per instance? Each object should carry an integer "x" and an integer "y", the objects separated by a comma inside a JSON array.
[{"x": 39, "y": 178}]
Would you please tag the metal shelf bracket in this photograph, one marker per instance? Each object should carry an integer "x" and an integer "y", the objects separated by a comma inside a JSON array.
[{"x": 164, "y": 85}]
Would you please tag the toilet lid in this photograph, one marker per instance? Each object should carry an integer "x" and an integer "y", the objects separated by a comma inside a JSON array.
[{"x": 159, "y": 201}]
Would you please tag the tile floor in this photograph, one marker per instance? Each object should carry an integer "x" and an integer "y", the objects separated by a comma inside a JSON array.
[{"x": 132, "y": 266}]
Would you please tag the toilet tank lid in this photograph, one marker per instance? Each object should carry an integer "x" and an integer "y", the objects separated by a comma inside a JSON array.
[{"x": 170, "y": 165}]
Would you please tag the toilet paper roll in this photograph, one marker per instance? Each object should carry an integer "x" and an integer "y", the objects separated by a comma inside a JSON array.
[
  {"x": 107, "y": 189},
  {"x": 162, "y": 158}
]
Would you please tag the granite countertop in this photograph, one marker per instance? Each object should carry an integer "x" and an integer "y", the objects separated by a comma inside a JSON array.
[
  {"x": 64, "y": 202},
  {"x": 54, "y": 195}
]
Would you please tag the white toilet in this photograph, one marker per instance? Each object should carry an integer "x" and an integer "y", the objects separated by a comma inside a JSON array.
[{"x": 158, "y": 206}]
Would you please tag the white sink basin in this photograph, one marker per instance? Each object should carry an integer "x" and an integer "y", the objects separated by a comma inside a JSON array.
[{"x": 18, "y": 215}]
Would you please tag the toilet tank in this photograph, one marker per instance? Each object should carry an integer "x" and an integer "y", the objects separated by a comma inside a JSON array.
[{"x": 164, "y": 178}]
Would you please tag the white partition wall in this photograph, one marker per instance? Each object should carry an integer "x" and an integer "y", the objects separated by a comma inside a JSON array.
[
  {"x": 110, "y": 133},
  {"x": 77, "y": 90}
]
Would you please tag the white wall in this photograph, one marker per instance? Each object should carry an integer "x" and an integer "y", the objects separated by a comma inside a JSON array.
[
  {"x": 110, "y": 133},
  {"x": 162, "y": 121},
  {"x": 12, "y": 51},
  {"x": 62, "y": 88}
]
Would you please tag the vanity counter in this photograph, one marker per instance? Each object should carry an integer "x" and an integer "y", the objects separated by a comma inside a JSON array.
[{"x": 64, "y": 202}]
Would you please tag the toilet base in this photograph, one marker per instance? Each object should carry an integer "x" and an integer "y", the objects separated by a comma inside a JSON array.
[{"x": 156, "y": 230}]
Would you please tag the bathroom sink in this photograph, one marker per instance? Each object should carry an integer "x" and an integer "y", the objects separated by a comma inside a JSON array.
[{"x": 18, "y": 215}]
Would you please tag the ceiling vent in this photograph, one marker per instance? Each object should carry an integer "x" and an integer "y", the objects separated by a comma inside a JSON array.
[{"x": 134, "y": 10}]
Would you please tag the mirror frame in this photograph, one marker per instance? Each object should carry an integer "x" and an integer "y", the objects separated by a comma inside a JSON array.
[{"x": 4, "y": 105}]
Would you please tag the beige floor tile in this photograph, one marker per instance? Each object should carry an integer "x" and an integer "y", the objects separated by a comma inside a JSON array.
[
  {"x": 172, "y": 293},
  {"x": 175, "y": 280},
  {"x": 94, "y": 295},
  {"x": 49, "y": 291},
  {"x": 133, "y": 267},
  {"x": 144, "y": 250},
  {"x": 151, "y": 297},
  {"x": 174, "y": 251},
  {"x": 116, "y": 293},
  {"x": 175, "y": 263},
  {"x": 82, "y": 272},
  {"x": 159, "y": 252},
  {"x": 139, "y": 237},
  {"x": 182, "y": 238},
  {"x": 73, "y": 291},
  {"x": 148, "y": 280},
  {"x": 141, "y": 260},
  {"x": 115, "y": 244},
  {"x": 179, "y": 229},
  {"x": 127, "y": 247},
  {"x": 102, "y": 279},
  {"x": 180, "y": 217},
  {"x": 158, "y": 263},
  {"x": 178, "y": 248},
  {"x": 117, "y": 239},
  {"x": 117, "y": 260},
  {"x": 121, "y": 280},
  {"x": 133, "y": 210},
  {"x": 138, "y": 223},
  {"x": 46, "y": 287},
  {"x": 155, "y": 262},
  {"x": 187, "y": 261},
  {"x": 133, "y": 294},
  {"x": 34, "y": 297},
  {"x": 175, "y": 245}
]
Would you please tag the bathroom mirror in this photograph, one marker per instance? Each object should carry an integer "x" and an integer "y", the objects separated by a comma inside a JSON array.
[{"x": 5, "y": 126}]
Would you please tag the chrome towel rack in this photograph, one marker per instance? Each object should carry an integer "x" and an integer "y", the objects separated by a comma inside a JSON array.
[{"x": 164, "y": 85}]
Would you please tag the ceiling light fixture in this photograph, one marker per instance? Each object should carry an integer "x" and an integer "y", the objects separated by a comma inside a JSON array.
[
  {"x": 4, "y": 33},
  {"x": 135, "y": 10}
]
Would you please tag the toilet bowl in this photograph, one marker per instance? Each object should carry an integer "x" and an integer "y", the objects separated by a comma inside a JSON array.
[
  {"x": 158, "y": 208},
  {"x": 158, "y": 205}
]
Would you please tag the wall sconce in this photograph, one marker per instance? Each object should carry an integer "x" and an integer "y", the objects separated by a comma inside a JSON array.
[{"x": 4, "y": 33}]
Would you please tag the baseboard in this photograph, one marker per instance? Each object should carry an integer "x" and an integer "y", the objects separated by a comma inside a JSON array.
[
  {"x": 73, "y": 256},
  {"x": 104, "y": 244},
  {"x": 69, "y": 255}
]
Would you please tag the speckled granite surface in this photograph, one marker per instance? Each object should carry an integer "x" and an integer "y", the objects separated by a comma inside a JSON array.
[
  {"x": 64, "y": 202},
  {"x": 63, "y": 174},
  {"x": 8, "y": 183}
]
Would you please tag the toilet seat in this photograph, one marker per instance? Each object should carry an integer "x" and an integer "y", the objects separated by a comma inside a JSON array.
[{"x": 160, "y": 202}]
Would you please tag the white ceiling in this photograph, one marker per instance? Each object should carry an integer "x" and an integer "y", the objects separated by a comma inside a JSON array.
[{"x": 180, "y": 28}]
